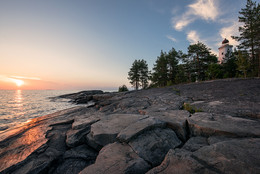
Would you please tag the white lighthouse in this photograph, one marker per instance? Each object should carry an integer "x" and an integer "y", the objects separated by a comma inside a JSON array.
[{"x": 223, "y": 50}]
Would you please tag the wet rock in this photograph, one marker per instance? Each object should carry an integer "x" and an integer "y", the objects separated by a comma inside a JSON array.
[
  {"x": 137, "y": 128},
  {"x": 154, "y": 144},
  {"x": 106, "y": 130},
  {"x": 41, "y": 160},
  {"x": 206, "y": 124},
  {"x": 117, "y": 158}
]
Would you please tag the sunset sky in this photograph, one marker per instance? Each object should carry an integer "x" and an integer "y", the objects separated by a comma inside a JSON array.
[{"x": 91, "y": 44}]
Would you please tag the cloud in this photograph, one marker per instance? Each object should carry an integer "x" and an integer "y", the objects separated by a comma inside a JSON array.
[
  {"x": 206, "y": 9},
  {"x": 171, "y": 38},
  {"x": 28, "y": 78},
  {"x": 227, "y": 32},
  {"x": 183, "y": 22},
  {"x": 193, "y": 37},
  {"x": 203, "y": 9}
]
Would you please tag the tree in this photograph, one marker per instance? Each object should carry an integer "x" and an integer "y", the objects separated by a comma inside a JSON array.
[
  {"x": 200, "y": 57},
  {"x": 181, "y": 76},
  {"x": 230, "y": 64},
  {"x": 214, "y": 71},
  {"x": 172, "y": 60},
  {"x": 134, "y": 75},
  {"x": 250, "y": 33},
  {"x": 138, "y": 74},
  {"x": 160, "y": 74},
  {"x": 144, "y": 74},
  {"x": 242, "y": 63},
  {"x": 165, "y": 68},
  {"x": 122, "y": 88}
]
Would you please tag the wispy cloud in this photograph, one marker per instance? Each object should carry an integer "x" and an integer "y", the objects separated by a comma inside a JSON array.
[
  {"x": 227, "y": 32},
  {"x": 193, "y": 37},
  {"x": 206, "y": 9},
  {"x": 171, "y": 38},
  {"x": 28, "y": 78},
  {"x": 201, "y": 9}
]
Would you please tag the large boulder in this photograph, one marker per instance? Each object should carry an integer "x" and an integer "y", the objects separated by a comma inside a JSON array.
[
  {"x": 106, "y": 130},
  {"x": 176, "y": 120},
  {"x": 117, "y": 158},
  {"x": 154, "y": 144},
  {"x": 137, "y": 128}
]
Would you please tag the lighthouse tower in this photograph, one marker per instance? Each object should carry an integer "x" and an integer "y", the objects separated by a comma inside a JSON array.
[{"x": 223, "y": 50}]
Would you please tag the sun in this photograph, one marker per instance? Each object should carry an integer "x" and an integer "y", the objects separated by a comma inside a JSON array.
[{"x": 18, "y": 82}]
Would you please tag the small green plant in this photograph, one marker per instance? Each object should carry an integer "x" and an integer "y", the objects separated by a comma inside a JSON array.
[
  {"x": 191, "y": 109},
  {"x": 178, "y": 92},
  {"x": 122, "y": 88}
]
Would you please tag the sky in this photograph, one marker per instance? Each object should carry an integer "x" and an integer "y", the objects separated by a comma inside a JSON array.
[{"x": 91, "y": 44}]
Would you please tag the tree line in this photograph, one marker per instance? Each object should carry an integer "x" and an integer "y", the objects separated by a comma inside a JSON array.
[{"x": 199, "y": 64}]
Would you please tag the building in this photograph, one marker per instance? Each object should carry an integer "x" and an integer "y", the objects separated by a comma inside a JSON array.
[{"x": 223, "y": 50}]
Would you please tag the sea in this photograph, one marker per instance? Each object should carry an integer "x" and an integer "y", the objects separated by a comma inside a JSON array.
[{"x": 19, "y": 106}]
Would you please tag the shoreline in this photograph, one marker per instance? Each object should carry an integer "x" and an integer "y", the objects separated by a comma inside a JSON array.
[{"x": 126, "y": 126}]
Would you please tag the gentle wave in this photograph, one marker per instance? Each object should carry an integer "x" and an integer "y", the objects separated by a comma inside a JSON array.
[{"x": 19, "y": 106}]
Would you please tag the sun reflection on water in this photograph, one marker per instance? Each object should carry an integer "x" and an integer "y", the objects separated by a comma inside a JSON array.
[
  {"x": 18, "y": 96},
  {"x": 18, "y": 103}
]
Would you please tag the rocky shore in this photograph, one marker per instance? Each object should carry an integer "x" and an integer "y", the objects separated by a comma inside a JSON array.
[{"x": 207, "y": 127}]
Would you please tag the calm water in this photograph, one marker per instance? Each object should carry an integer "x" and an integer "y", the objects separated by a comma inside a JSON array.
[{"x": 18, "y": 106}]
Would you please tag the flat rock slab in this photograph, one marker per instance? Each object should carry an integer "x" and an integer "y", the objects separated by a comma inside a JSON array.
[
  {"x": 117, "y": 158},
  {"x": 106, "y": 130},
  {"x": 80, "y": 123},
  {"x": 207, "y": 124},
  {"x": 233, "y": 156},
  {"x": 133, "y": 130},
  {"x": 154, "y": 144}
]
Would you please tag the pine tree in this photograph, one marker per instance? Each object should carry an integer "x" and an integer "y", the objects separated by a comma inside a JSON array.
[
  {"x": 201, "y": 58},
  {"x": 134, "y": 75},
  {"x": 172, "y": 59},
  {"x": 250, "y": 33},
  {"x": 160, "y": 74},
  {"x": 144, "y": 74},
  {"x": 242, "y": 63},
  {"x": 138, "y": 74}
]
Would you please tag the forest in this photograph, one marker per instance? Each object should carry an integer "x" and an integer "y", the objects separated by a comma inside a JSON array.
[{"x": 199, "y": 64}]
